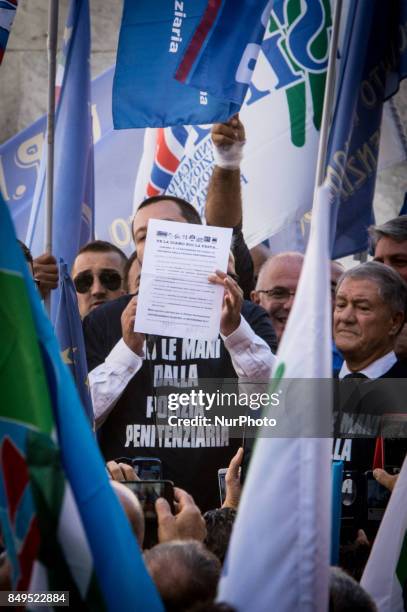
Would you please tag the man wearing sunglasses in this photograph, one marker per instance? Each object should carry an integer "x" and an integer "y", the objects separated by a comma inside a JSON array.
[{"x": 98, "y": 273}]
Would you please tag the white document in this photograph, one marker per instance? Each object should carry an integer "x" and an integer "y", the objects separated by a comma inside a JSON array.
[{"x": 175, "y": 297}]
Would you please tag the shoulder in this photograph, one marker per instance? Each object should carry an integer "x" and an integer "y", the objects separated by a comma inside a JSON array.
[
  {"x": 399, "y": 370},
  {"x": 108, "y": 311}
]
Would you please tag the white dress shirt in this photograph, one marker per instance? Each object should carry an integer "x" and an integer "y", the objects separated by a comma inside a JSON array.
[
  {"x": 375, "y": 369},
  {"x": 251, "y": 358}
]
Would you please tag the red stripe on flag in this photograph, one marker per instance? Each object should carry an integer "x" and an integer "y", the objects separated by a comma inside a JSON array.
[
  {"x": 378, "y": 459},
  {"x": 198, "y": 39},
  {"x": 28, "y": 554},
  {"x": 164, "y": 156},
  {"x": 16, "y": 475},
  {"x": 152, "y": 191}
]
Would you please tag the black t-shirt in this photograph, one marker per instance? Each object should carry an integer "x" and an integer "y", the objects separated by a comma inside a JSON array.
[{"x": 190, "y": 456}]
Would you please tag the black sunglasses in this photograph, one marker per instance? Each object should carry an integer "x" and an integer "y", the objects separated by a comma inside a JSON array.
[{"x": 110, "y": 279}]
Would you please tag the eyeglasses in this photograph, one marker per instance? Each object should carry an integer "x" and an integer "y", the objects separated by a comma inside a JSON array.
[
  {"x": 279, "y": 293},
  {"x": 110, "y": 279}
]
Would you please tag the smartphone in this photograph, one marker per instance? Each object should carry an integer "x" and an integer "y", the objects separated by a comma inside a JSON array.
[
  {"x": 222, "y": 484},
  {"x": 146, "y": 468},
  {"x": 377, "y": 497},
  {"x": 148, "y": 491},
  {"x": 353, "y": 511}
]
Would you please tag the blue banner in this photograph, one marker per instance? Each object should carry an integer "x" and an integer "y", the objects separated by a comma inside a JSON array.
[
  {"x": 117, "y": 156},
  {"x": 373, "y": 61}
]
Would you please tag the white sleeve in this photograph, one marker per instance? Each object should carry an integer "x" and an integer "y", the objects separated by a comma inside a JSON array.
[
  {"x": 251, "y": 355},
  {"x": 109, "y": 379}
]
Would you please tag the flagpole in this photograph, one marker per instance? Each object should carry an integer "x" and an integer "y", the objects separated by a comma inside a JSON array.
[
  {"x": 328, "y": 97},
  {"x": 53, "y": 7}
]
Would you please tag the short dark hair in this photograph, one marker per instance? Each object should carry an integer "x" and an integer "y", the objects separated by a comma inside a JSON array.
[
  {"x": 189, "y": 212},
  {"x": 347, "y": 594},
  {"x": 102, "y": 246},
  {"x": 396, "y": 229},
  {"x": 219, "y": 525}
]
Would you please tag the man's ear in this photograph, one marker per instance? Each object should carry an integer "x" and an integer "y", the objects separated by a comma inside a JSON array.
[
  {"x": 254, "y": 296},
  {"x": 398, "y": 322}
]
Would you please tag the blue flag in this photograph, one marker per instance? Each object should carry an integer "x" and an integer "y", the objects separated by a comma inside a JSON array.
[
  {"x": 373, "y": 61},
  {"x": 73, "y": 179},
  {"x": 153, "y": 37},
  {"x": 221, "y": 56},
  {"x": 27, "y": 436},
  {"x": 68, "y": 330}
]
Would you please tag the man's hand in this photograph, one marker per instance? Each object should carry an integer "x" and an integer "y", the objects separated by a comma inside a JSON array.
[
  {"x": 46, "y": 273},
  {"x": 224, "y": 135},
  {"x": 385, "y": 479},
  {"x": 187, "y": 523},
  {"x": 232, "y": 481},
  {"x": 232, "y": 302},
  {"x": 121, "y": 471},
  {"x": 134, "y": 340}
]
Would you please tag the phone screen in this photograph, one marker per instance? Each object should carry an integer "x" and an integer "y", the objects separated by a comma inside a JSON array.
[
  {"x": 222, "y": 484},
  {"x": 148, "y": 491},
  {"x": 147, "y": 469}
]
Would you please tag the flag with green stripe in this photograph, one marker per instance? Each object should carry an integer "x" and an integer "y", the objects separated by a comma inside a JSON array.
[{"x": 62, "y": 525}]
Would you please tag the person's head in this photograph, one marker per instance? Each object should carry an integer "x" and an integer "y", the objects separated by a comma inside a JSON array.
[
  {"x": 184, "y": 572},
  {"x": 219, "y": 525},
  {"x": 369, "y": 313},
  {"x": 276, "y": 286},
  {"x": 132, "y": 509},
  {"x": 168, "y": 208},
  {"x": 346, "y": 594},
  {"x": 97, "y": 274},
  {"x": 259, "y": 254},
  {"x": 389, "y": 242},
  {"x": 132, "y": 271}
]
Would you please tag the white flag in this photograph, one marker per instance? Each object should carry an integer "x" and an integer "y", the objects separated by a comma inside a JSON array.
[
  {"x": 385, "y": 574},
  {"x": 279, "y": 551}
]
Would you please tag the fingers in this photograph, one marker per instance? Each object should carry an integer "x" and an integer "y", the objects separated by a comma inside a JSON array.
[
  {"x": 361, "y": 538},
  {"x": 226, "y": 134},
  {"x": 121, "y": 471},
  {"x": 183, "y": 499},
  {"x": 234, "y": 465},
  {"x": 385, "y": 479},
  {"x": 167, "y": 528}
]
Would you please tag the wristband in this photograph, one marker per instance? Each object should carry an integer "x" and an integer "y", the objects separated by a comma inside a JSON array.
[{"x": 229, "y": 156}]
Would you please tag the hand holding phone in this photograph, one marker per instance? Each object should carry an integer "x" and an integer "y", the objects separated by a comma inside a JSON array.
[{"x": 187, "y": 522}]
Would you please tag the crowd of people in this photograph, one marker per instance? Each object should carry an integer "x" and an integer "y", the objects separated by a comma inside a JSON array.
[{"x": 130, "y": 374}]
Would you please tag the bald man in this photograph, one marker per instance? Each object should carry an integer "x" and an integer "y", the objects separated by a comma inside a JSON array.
[
  {"x": 276, "y": 286},
  {"x": 132, "y": 508}
]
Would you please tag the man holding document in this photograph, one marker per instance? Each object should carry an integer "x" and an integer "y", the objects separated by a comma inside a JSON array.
[{"x": 181, "y": 312}]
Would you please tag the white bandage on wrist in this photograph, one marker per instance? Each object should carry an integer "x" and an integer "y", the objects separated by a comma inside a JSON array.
[{"x": 229, "y": 156}]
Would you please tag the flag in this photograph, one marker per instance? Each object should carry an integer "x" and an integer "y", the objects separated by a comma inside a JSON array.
[
  {"x": 385, "y": 574},
  {"x": 73, "y": 179},
  {"x": 284, "y": 519},
  {"x": 373, "y": 61},
  {"x": 282, "y": 116},
  {"x": 152, "y": 38},
  {"x": 63, "y": 526},
  {"x": 161, "y": 39},
  {"x": 169, "y": 150},
  {"x": 7, "y": 13},
  {"x": 68, "y": 330},
  {"x": 220, "y": 57}
]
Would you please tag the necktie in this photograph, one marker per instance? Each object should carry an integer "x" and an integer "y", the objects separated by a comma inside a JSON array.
[{"x": 355, "y": 375}]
